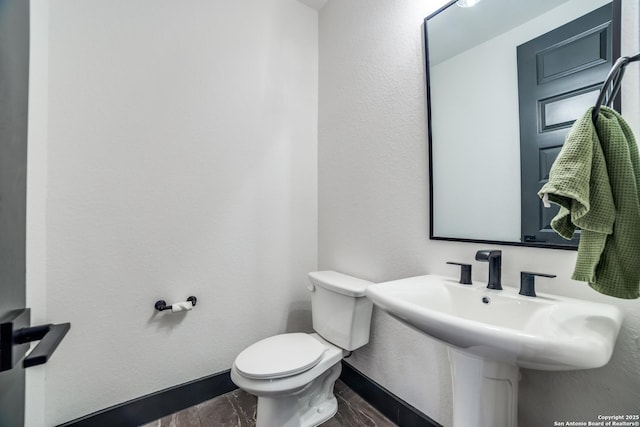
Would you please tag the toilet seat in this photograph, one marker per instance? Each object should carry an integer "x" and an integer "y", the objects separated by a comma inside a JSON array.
[{"x": 280, "y": 356}]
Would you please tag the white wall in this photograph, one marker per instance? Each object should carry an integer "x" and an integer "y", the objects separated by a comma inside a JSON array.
[
  {"x": 373, "y": 217},
  {"x": 182, "y": 153},
  {"x": 36, "y": 254},
  {"x": 631, "y": 83},
  {"x": 474, "y": 131}
]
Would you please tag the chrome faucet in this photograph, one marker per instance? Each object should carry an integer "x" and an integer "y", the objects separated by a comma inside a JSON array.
[{"x": 494, "y": 257}]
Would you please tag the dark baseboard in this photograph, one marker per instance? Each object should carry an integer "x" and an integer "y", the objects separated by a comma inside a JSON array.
[
  {"x": 165, "y": 402},
  {"x": 391, "y": 406},
  {"x": 159, "y": 404}
]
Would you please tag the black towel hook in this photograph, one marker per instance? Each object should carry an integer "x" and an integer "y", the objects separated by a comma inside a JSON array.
[{"x": 612, "y": 83}]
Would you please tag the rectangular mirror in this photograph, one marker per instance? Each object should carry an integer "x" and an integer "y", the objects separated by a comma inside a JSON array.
[{"x": 506, "y": 79}]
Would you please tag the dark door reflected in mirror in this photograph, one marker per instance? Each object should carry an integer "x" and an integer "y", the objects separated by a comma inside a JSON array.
[{"x": 505, "y": 81}]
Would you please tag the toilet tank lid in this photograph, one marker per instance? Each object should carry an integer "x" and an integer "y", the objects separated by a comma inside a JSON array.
[{"x": 340, "y": 283}]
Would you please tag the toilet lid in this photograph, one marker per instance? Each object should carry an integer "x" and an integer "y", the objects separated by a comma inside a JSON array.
[{"x": 280, "y": 356}]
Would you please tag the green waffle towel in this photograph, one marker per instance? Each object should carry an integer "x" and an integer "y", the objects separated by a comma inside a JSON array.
[{"x": 595, "y": 181}]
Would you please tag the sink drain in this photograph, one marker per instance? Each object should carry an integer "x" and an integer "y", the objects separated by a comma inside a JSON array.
[{"x": 486, "y": 300}]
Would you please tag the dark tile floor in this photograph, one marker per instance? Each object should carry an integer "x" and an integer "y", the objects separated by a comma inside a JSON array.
[{"x": 238, "y": 409}]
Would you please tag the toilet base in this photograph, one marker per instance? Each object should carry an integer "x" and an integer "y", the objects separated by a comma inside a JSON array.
[{"x": 309, "y": 407}]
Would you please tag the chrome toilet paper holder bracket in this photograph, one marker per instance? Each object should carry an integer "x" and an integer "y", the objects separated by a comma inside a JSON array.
[{"x": 161, "y": 305}]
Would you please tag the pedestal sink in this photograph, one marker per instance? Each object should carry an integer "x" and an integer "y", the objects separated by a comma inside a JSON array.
[{"x": 492, "y": 333}]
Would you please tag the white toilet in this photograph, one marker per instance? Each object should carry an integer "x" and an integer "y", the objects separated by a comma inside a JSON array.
[{"x": 293, "y": 374}]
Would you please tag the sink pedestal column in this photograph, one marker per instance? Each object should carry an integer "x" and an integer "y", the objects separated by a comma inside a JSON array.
[{"x": 485, "y": 392}]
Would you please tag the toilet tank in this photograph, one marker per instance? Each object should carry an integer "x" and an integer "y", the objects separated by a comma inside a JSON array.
[{"x": 341, "y": 312}]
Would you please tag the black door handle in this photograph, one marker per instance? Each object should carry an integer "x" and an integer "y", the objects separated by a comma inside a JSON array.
[
  {"x": 49, "y": 336},
  {"x": 15, "y": 335}
]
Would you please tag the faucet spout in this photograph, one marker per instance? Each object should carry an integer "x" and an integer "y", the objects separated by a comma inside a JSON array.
[{"x": 494, "y": 258}]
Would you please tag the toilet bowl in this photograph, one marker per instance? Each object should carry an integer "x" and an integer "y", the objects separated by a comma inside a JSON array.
[
  {"x": 297, "y": 400},
  {"x": 293, "y": 374}
]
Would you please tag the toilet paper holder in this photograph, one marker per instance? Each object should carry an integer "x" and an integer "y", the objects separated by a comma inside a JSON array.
[{"x": 161, "y": 305}]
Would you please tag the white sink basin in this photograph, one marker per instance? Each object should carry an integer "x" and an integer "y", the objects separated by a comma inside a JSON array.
[
  {"x": 491, "y": 334},
  {"x": 544, "y": 332}
]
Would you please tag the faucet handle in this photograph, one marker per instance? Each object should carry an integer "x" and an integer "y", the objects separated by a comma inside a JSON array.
[
  {"x": 465, "y": 272},
  {"x": 527, "y": 282}
]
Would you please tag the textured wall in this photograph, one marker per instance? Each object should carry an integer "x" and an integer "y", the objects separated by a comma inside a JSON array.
[
  {"x": 36, "y": 250},
  {"x": 373, "y": 217},
  {"x": 181, "y": 160}
]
